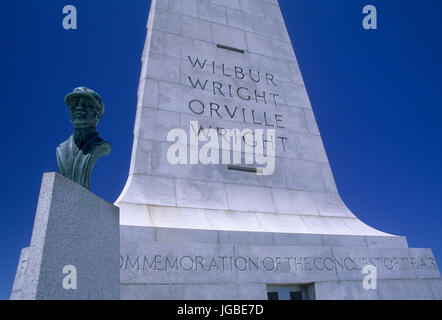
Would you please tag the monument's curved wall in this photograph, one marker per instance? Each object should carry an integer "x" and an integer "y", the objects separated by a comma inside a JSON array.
[{"x": 228, "y": 65}]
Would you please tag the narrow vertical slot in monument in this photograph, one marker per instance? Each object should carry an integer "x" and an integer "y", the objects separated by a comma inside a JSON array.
[{"x": 230, "y": 194}]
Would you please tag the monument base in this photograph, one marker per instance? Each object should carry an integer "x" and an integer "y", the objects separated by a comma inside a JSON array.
[
  {"x": 74, "y": 246},
  {"x": 164, "y": 263}
]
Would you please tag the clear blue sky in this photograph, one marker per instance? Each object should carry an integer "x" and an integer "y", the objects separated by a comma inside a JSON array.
[{"x": 376, "y": 94}]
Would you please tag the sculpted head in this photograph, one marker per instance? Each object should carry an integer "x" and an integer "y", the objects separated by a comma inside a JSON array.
[{"x": 85, "y": 107}]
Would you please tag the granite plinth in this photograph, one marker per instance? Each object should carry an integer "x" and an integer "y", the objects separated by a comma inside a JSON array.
[{"x": 73, "y": 228}]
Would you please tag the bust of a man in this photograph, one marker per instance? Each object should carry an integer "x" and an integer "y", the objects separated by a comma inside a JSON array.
[{"x": 77, "y": 156}]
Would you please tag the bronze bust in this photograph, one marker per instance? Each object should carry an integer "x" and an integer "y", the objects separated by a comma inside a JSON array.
[{"x": 77, "y": 156}]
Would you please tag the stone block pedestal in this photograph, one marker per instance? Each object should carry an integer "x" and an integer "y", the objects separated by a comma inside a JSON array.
[{"x": 74, "y": 247}]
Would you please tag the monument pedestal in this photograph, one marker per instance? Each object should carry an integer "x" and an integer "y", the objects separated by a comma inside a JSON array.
[
  {"x": 165, "y": 263},
  {"x": 74, "y": 246}
]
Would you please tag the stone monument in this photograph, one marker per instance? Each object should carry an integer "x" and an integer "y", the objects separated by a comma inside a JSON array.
[
  {"x": 75, "y": 241},
  {"x": 271, "y": 226}
]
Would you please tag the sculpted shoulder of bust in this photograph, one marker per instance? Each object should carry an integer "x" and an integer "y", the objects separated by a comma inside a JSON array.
[{"x": 77, "y": 156}]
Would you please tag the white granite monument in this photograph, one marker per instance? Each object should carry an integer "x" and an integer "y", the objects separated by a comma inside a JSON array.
[
  {"x": 230, "y": 194},
  {"x": 201, "y": 230}
]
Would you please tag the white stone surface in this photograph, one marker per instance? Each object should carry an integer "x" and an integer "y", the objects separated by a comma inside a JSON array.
[
  {"x": 405, "y": 290},
  {"x": 194, "y": 292},
  {"x": 300, "y": 197},
  {"x": 294, "y": 202},
  {"x": 255, "y": 199},
  {"x": 73, "y": 227},
  {"x": 224, "y": 265}
]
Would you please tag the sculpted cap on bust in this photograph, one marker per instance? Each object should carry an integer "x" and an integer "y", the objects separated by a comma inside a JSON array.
[
  {"x": 77, "y": 156},
  {"x": 85, "y": 106}
]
